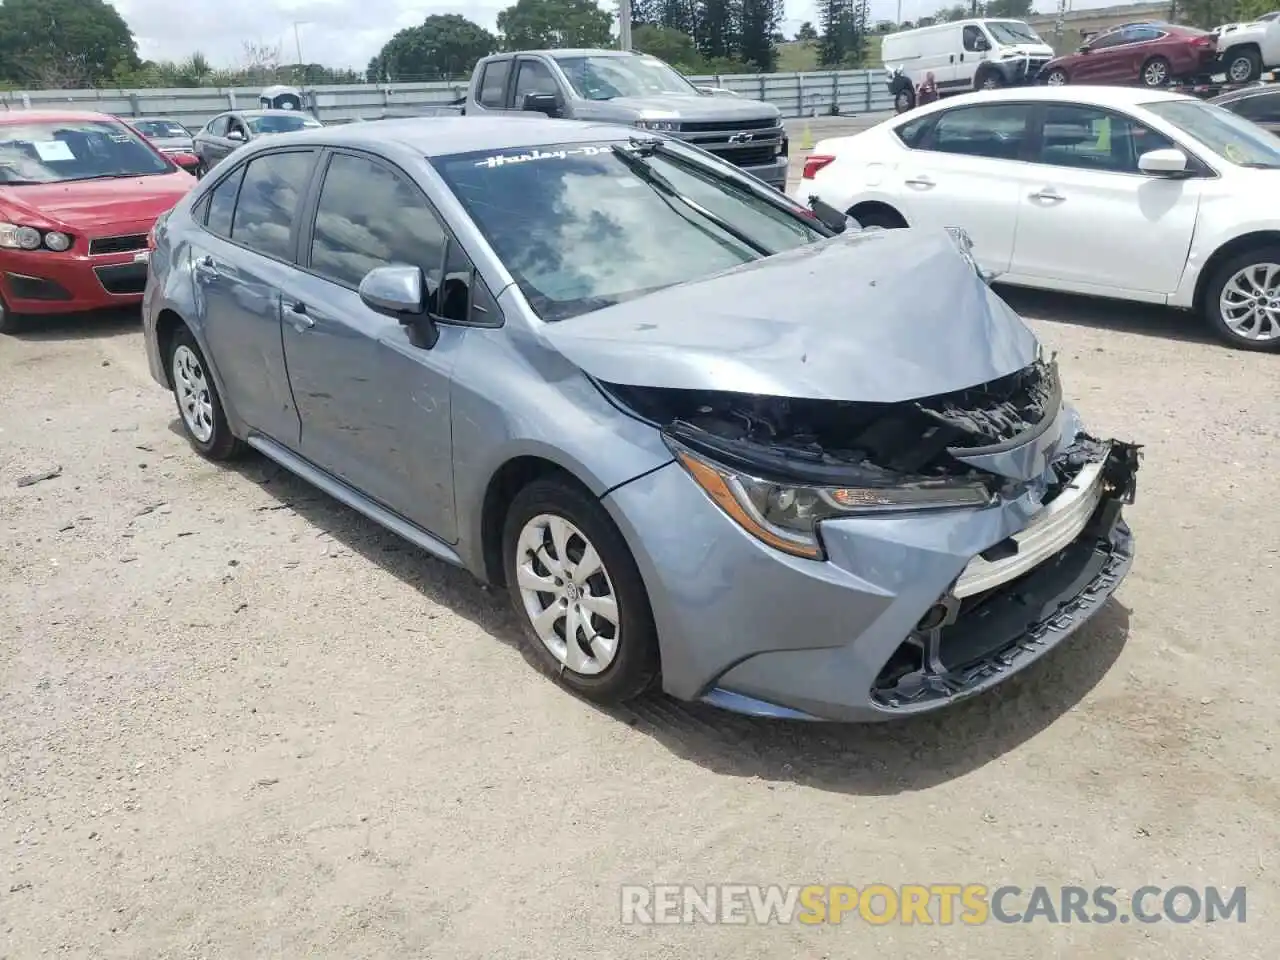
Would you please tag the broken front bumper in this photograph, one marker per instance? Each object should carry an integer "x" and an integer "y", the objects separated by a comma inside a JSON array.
[{"x": 907, "y": 614}]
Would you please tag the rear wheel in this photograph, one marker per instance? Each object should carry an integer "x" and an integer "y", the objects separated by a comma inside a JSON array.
[
  {"x": 1056, "y": 78},
  {"x": 875, "y": 219},
  {"x": 1242, "y": 302},
  {"x": 1243, "y": 65},
  {"x": 1155, "y": 72}
]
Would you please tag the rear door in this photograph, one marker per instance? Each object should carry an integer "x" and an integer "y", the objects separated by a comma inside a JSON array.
[
  {"x": 493, "y": 86},
  {"x": 240, "y": 262},
  {"x": 1090, "y": 221},
  {"x": 967, "y": 172},
  {"x": 373, "y": 399}
]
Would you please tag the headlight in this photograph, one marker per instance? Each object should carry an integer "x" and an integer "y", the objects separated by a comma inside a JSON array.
[
  {"x": 666, "y": 126},
  {"x": 57, "y": 241},
  {"x": 19, "y": 238},
  {"x": 786, "y": 516}
]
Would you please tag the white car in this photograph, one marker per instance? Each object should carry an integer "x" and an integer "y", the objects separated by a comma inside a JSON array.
[
  {"x": 1118, "y": 192},
  {"x": 1246, "y": 49}
]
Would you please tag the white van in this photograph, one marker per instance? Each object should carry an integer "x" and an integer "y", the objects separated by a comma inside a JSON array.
[{"x": 963, "y": 55}]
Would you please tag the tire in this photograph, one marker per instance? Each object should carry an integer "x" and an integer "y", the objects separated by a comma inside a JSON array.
[
  {"x": 1236, "y": 327},
  {"x": 595, "y": 672},
  {"x": 10, "y": 322},
  {"x": 904, "y": 100},
  {"x": 199, "y": 406},
  {"x": 201, "y": 170},
  {"x": 1244, "y": 65},
  {"x": 989, "y": 80},
  {"x": 1154, "y": 73},
  {"x": 1056, "y": 78},
  {"x": 878, "y": 220}
]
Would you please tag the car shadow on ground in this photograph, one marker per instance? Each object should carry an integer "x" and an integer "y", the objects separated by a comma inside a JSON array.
[
  {"x": 869, "y": 759},
  {"x": 81, "y": 326},
  {"x": 1148, "y": 320}
]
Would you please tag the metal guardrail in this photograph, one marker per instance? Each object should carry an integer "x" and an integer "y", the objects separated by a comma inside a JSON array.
[{"x": 794, "y": 94}]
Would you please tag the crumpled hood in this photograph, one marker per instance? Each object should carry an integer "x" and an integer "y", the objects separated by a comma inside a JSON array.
[{"x": 881, "y": 316}]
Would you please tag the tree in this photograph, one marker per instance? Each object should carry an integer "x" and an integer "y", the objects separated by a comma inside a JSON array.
[
  {"x": 538, "y": 24},
  {"x": 1012, "y": 9},
  {"x": 63, "y": 43},
  {"x": 759, "y": 21},
  {"x": 718, "y": 27},
  {"x": 806, "y": 33},
  {"x": 951, "y": 14},
  {"x": 667, "y": 44},
  {"x": 442, "y": 47}
]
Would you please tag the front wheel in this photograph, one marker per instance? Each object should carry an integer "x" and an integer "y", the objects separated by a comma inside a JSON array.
[
  {"x": 990, "y": 81},
  {"x": 582, "y": 605},
  {"x": 9, "y": 322},
  {"x": 904, "y": 100},
  {"x": 1242, "y": 303},
  {"x": 1155, "y": 72},
  {"x": 1056, "y": 78}
]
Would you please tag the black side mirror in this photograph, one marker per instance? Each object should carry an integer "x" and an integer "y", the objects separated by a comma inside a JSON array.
[
  {"x": 399, "y": 291},
  {"x": 981, "y": 45},
  {"x": 547, "y": 103},
  {"x": 829, "y": 216}
]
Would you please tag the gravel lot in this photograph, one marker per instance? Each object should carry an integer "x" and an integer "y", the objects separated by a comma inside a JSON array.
[{"x": 237, "y": 720}]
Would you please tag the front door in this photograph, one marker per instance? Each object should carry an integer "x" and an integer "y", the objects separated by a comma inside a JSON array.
[
  {"x": 374, "y": 400},
  {"x": 965, "y": 174},
  {"x": 238, "y": 267},
  {"x": 1090, "y": 219}
]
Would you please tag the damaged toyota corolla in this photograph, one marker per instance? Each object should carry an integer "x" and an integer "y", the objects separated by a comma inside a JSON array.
[{"x": 706, "y": 437}]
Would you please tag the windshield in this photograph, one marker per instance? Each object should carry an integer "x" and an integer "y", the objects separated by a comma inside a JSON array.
[
  {"x": 160, "y": 129},
  {"x": 581, "y": 227},
  {"x": 281, "y": 123},
  {"x": 65, "y": 150},
  {"x": 1231, "y": 137},
  {"x": 1012, "y": 32},
  {"x": 603, "y": 78}
]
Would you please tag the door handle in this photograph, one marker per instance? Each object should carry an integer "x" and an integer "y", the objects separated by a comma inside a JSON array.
[
  {"x": 953, "y": 58},
  {"x": 298, "y": 316},
  {"x": 1049, "y": 195},
  {"x": 206, "y": 268},
  {"x": 920, "y": 182}
]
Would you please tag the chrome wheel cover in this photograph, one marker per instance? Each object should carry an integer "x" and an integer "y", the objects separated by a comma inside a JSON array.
[
  {"x": 192, "y": 387},
  {"x": 1250, "y": 302},
  {"x": 1241, "y": 67},
  {"x": 567, "y": 594},
  {"x": 1056, "y": 79}
]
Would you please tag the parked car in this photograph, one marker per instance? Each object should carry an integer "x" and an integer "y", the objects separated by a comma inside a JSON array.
[
  {"x": 1112, "y": 191},
  {"x": 169, "y": 137},
  {"x": 229, "y": 131},
  {"x": 1148, "y": 54},
  {"x": 1259, "y": 104},
  {"x": 962, "y": 56},
  {"x": 79, "y": 192},
  {"x": 695, "y": 433},
  {"x": 635, "y": 89},
  {"x": 1245, "y": 50}
]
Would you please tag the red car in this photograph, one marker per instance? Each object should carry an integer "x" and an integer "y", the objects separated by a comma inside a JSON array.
[
  {"x": 79, "y": 194},
  {"x": 1151, "y": 54}
]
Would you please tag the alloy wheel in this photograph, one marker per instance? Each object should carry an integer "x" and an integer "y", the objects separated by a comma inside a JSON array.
[
  {"x": 1155, "y": 74},
  {"x": 1250, "y": 303},
  {"x": 1056, "y": 79},
  {"x": 192, "y": 387},
  {"x": 568, "y": 594},
  {"x": 1241, "y": 69}
]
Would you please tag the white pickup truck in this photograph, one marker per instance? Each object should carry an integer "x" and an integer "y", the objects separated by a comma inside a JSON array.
[{"x": 1247, "y": 49}]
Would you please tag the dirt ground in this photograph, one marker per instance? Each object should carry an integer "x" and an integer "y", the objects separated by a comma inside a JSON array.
[{"x": 237, "y": 720}]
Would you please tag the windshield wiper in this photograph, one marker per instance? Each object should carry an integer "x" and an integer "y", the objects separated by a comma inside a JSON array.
[{"x": 633, "y": 156}]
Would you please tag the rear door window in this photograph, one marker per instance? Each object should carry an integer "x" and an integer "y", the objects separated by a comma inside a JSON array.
[
  {"x": 493, "y": 84},
  {"x": 996, "y": 131},
  {"x": 270, "y": 195}
]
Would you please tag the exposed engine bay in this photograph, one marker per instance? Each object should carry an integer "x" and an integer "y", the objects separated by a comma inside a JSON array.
[{"x": 820, "y": 441}]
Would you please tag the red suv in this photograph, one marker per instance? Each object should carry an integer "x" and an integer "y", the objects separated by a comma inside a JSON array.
[
  {"x": 1151, "y": 54},
  {"x": 79, "y": 194}
]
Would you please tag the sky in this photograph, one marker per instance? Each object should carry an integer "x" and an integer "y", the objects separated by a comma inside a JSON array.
[{"x": 347, "y": 33}]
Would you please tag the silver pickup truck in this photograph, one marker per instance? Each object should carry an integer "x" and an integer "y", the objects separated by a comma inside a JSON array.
[{"x": 637, "y": 90}]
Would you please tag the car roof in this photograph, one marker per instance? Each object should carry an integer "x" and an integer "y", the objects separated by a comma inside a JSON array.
[
  {"x": 440, "y": 136},
  {"x": 52, "y": 116},
  {"x": 571, "y": 52},
  {"x": 266, "y": 112},
  {"x": 1097, "y": 96}
]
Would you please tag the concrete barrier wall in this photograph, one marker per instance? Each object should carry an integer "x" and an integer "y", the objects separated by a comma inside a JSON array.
[{"x": 795, "y": 94}]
